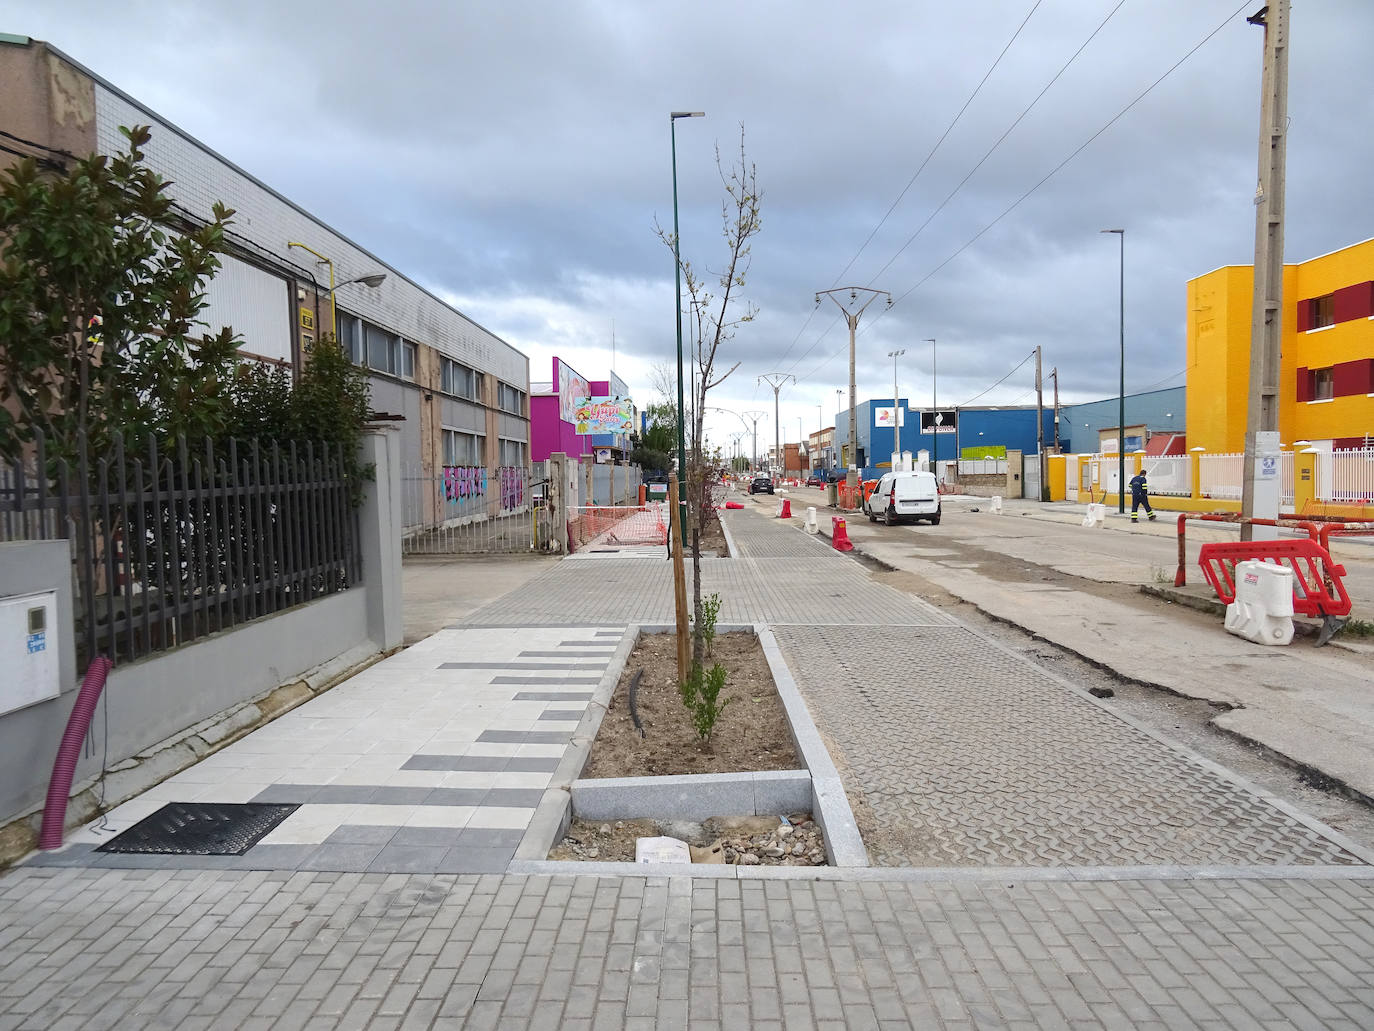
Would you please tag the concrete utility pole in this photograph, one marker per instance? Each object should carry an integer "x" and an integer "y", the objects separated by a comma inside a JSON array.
[
  {"x": 935, "y": 418},
  {"x": 776, "y": 381},
  {"x": 896, "y": 406},
  {"x": 1040, "y": 428},
  {"x": 852, "y": 311},
  {"x": 1054, "y": 375},
  {"x": 1260, "y": 488},
  {"x": 1121, "y": 397}
]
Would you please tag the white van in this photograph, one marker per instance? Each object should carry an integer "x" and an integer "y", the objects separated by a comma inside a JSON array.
[{"x": 904, "y": 496}]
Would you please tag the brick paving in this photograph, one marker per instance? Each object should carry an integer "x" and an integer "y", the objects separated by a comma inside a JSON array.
[
  {"x": 945, "y": 738},
  {"x": 202, "y": 950}
]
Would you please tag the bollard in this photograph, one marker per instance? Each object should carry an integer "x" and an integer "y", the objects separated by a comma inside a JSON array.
[
  {"x": 785, "y": 509},
  {"x": 996, "y": 507},
  {"x": 1096, "y": 515},
  {"x": 839, "y": 535},
  {"x": 811, "y": 525}
]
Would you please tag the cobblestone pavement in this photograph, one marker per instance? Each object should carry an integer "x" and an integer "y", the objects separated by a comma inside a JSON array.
[
  {"x": 967, "y": 754},
  {"x": 135, "y": 949}
]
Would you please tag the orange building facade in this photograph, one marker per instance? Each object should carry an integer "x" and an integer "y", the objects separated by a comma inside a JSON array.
[{"x": 1326, "y": 379}]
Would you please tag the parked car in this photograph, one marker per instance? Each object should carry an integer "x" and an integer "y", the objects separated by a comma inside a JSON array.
[
  {"x": 761, "y": 485},
  {"x": 815, "y": 480},
  {"x": 902, "y": 497}
]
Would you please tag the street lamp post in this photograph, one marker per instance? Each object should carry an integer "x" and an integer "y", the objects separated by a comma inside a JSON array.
[
  {"x": 835, "y": 436},
  {"x": 935, "y": 416},
  {"x": 852, "y": 311},
  {"x": 673, "y": 116},
  {"x": 1121, "y": 397},
  {"x": 896, "y": 406},
  {"x": 372, "y": 280}
]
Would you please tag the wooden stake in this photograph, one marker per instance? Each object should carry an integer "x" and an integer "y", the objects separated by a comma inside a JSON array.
[{"x": 679, "y": 587}]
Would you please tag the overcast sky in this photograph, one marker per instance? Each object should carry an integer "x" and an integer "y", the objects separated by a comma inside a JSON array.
[{"x": 513, "y": 158}]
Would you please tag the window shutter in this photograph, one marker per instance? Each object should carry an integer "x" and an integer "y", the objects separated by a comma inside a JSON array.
[
  {"x": 1304, "y": 380},
  {"x": 1304, "y": 316},
  {"x": 1349, "y": 378},
  {"x": 1352, "y": 302}
]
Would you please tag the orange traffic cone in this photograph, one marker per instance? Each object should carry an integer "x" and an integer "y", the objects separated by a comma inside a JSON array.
[{"x": 839, "y": 535}]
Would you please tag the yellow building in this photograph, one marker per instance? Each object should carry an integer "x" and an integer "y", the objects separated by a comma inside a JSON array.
[{"x": 1326, "y": 378}]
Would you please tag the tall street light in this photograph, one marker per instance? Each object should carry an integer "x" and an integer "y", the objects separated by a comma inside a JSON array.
[
  {"x": 1121, "y": 398},
  {"x": 372, "y": 280},
  {"x": 852, "y": 309},
  {"x": 935, "y": 418},
  {"x": 673, "y": 116},
  {"x": 896, "y": 407},
  {"x": 835, "y": 434}
]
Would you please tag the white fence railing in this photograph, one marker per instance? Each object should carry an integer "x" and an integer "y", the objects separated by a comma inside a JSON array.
[
  {"x": 982, "y": 467},
  {"x": 1168, "y": 474},
  {"x": 1222, "y": 476},
  {"x": 1346, "y": 475}
]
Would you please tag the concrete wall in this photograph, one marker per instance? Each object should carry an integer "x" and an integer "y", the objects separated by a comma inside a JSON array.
[{"x": 157, "y": 698}]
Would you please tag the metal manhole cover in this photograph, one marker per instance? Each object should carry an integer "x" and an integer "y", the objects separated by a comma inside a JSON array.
[{"x": 201, "y": 829}]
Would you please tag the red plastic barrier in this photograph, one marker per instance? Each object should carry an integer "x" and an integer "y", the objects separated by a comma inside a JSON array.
[
  {"x": 1318, "y": 588},
  {"x": 839, "y": 535},
  {"x": 785, "y": 512},
  {"x": 733, "y": 504}
]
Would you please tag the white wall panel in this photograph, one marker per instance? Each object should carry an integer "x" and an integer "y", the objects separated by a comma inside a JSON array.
[
  {"x": 201, "y": 177},
  {"x": 255, "y": 303}
]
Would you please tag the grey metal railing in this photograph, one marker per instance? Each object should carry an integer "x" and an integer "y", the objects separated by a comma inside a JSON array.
[{"x": 168, "y": 548}]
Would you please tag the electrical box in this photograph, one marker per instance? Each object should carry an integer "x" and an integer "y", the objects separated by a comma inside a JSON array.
[{"x": 30, "y": 653}]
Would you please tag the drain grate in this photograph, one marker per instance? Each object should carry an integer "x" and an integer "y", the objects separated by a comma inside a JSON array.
[{"x": 201, "y": 829}]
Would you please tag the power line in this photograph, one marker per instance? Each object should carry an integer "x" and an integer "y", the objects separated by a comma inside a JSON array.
[
  {"x": 910, "y": 182},
  {"x": 1008, "y": 376},
  {"x": 948, "y": 129},
  {"x": 1082, "y": 147},
  {"x": 962, "y": 182}
]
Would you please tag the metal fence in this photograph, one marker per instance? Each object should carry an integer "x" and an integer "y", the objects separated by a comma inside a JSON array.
[
  {"x": 469, "y": 510},
  {"x": 167, "y": 548},
  {"x": 1346, "y": 475},
  {"x": 1169, "y": 474}
]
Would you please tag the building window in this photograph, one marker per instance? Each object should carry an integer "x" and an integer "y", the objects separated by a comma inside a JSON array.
[
  {"x": 351, "y": 338},
  {"x": 512, "y": 453},
  {"x": 1323, "y": 311},
  {"x": 1323, "y": 384},
  {"x": 459, "y": 380},
  {"x": 508, "y": 399},
  {"x": 408, "y": 353},
  {"x": 462, "y": 448}
]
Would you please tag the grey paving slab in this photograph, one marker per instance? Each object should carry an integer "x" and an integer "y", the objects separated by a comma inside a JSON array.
[
  {"x": 966, "y": 754},
  {"x": 1135, "y": 953}
]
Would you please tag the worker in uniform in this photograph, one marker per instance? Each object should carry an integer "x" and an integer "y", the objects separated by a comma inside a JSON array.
[{"x": 1140, "y": 495}]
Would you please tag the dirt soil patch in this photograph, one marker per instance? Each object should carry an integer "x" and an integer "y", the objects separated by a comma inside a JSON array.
[{"x": 752, "y": 734}]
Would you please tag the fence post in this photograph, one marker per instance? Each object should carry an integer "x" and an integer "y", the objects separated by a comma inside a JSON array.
[
  {"x": 1304, "y": 478},
  {"x": 1195, "y": 472},
  {"x": 379, "y": 535},
  {"x": 558, "y": 499}
]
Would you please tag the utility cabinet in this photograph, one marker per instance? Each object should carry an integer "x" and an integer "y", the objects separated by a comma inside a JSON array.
[{"x": 30, "y": 650}]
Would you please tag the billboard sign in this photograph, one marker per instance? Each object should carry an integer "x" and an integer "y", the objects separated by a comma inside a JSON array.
[
  {"x": 939, "y": 421},
  {"x": 603, "y": 415},
  {"x": 883, "y": 415},
  {"x": 571, "y": 389}
]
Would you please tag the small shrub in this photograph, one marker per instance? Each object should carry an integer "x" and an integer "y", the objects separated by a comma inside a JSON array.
[
  {"x": 701, "y": 694},
  {"x": 710, "y": 612}
]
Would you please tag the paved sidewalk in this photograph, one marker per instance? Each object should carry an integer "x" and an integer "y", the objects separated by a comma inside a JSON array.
[{"x": 975, "y": 757}]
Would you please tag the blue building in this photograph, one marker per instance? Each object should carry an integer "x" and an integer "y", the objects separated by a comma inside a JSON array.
[
  {"x": 1085, "y": 428},
  {"x": 1012, "y": 428}
]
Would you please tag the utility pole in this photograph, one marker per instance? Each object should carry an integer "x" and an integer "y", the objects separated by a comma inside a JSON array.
[
  {"x": 896, "y": 407},
  {"x": 852, "y": 311},
  {"x": 935, "y": 418},
  {"x": 1260, "y": 488},
  {"x": 1040, "y": 428},
  {"x": 776, "y": 381},
  {"x": 1054, "y": 375}
]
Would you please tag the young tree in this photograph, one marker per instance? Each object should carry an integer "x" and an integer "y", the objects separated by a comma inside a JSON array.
[
  {"x": 102, "y": 280},
  {"x": 716, "y": 316}
]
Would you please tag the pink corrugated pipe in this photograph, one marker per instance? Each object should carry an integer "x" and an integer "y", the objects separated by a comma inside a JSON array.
[{"x": 64, "y": 766}]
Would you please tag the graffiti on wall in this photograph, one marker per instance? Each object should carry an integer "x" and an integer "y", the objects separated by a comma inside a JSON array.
[{"x": 466, "y": 482}]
